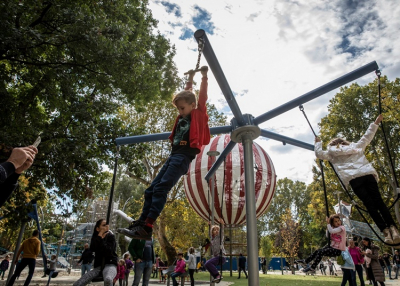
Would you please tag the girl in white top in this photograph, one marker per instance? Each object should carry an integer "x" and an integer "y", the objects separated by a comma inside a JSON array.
[
  {"x": 192, "y": 264},
  {"x": 353, "y": 168}
]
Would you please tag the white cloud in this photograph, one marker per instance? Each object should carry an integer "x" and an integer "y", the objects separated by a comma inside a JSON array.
[{"x": 271, "y": 52}]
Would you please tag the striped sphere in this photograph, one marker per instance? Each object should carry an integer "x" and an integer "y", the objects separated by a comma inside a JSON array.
[{"x": 229, "y": 189}]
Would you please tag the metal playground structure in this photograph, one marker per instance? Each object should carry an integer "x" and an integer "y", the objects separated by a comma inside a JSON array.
[{"x": 244, "y": 129}]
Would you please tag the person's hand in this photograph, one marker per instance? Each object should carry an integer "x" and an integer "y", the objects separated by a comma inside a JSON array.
[
  {"x": 317, "y": 139},
  {"x": 221, "y": 221},
  {"x": 378, "y": 119},
  {"x": 28, "y": 163},
  {"x": 204, "y": 70},
  {"x": 138, "y": 260},
  {"x": 327, "y": 219},
  {"x": 191, "y": 74},
  {"x": 103, "y": 234},
  {"x": 20, "y": 155}
]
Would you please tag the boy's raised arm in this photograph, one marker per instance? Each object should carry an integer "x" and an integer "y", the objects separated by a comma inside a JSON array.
[{"x": 201, "y": 104}]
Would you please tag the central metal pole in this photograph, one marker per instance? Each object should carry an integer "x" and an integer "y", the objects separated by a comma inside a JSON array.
[{"x": 251, "y": 220}]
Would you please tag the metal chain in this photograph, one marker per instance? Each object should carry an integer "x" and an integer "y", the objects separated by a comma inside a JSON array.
[{"x": 200, "y": 49}]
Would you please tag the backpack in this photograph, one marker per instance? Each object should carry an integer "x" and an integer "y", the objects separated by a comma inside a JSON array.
[{"x": 340, "y": 260}]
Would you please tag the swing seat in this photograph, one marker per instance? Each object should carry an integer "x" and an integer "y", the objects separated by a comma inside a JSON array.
[
  {"x": 54, "y": 275},
  {"x": 98, "y": 278}
]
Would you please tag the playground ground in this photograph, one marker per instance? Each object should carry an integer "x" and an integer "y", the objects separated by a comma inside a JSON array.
[{"x": 271, "y": 279}]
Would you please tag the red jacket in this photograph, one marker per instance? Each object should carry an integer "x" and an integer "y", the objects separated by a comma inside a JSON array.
[
  {"x": 120, "y": 272},
  {"x": 199, "y": 133},
  {"x": 180, "y": 266}
]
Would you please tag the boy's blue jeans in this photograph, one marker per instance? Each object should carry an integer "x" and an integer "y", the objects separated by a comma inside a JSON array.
[{"x": 155, "y": 196}]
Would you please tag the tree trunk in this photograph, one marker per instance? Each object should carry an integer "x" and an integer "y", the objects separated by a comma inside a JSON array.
[{"x": 168, "y": 249}]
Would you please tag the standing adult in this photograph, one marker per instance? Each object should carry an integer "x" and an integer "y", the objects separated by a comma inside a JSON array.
[
  {"x": 374, "y": 270},
  {"x": 264, "y": 265},
  {"x": 242, "y": 265},
  {"x": 86, "y": 259},
  {"x": 4, "y": 266},
  {"x": 104, "y": 245},
  {"x": 358, "y": 260},
  {"x": 386, "y": 258},
  {"x": 322, "y": 268},
  {"x": 157, "y": 266},
  {"x": 191, "y": 264},
  {"x": 396, "y": 261},
  {"x": 142, "y": 252},
  {"x": 30, "y": 248}
]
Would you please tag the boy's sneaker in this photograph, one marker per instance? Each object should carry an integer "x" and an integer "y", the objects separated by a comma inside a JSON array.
[
  {"x": 132, "y": 228},
  {"x": 140, "y": 232},
  {"x": 134, "y": 224},
  {"x": 217, "y": 279},
  {"x": 308, "y": 269}
]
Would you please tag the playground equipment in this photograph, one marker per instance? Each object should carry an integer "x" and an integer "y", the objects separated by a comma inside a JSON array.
[
  {"x": 31, "y": 215},
  {"x": 244, "y": 129},
  {"x": 228, "y": 183}
]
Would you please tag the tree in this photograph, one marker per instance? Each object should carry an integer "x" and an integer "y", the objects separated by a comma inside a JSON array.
[
  {"x": 266, "y": 250},
  {"x": 288, "y": 194},
  {"x": 289, "y": 237},
  {"x": 66, "y": 67}
]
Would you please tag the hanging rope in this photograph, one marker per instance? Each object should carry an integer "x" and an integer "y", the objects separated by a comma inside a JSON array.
[
  {"x": 197, "y": 68},
  {"x": 110, "y": 199},
  {"x": 308, "y": 121},
  {"x": 392, "y": 168}
]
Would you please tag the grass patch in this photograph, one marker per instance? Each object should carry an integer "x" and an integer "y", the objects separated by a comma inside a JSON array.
[{"x": 276, "y": 280}]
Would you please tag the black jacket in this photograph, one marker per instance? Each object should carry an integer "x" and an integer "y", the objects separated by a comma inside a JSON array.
[
  {"x": 242, "y": 262},
  {"x": 104, "y": 249},
  {"x": 8, "y": 181},
  {"x": 86, "y": 257}
]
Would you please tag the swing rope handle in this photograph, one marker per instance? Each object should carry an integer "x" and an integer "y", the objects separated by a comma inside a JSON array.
[{"x": 200, "y": 49}]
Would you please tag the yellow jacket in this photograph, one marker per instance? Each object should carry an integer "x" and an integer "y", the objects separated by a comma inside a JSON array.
[{"x": 30, "y": 247}]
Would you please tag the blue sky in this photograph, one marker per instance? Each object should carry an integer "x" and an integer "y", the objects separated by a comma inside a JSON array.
[{"x": 274, "y": 51}]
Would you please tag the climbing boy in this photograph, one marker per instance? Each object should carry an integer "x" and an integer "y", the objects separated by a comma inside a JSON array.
[{"x": 189, "y": 134}]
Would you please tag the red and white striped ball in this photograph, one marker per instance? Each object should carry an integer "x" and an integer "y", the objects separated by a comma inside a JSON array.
[{"x": 229, "y": 188}]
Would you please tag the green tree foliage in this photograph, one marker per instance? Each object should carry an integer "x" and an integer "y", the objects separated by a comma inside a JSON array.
[
  {"x": 65, "y": 69},
  {"x": 288, "y": 195},
  {"x": 289, "y": 237},
  {"x": 266, "y": 244}
]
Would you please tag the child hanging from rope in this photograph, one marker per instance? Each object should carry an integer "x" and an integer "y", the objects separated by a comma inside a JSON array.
[
  {"x": 217, "y": 251},
  {"x": 189, "y": 134},
  {"x": 337, "y": 234},
  {"x": 353, "y": 168}
]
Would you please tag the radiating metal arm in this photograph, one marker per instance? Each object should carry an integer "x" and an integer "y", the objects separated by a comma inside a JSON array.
[
  {"x": 220, "y": 160},
  {"x": 164, "y": 136},
  {"x": 372, "y": 66},
  {"x": 287, "y": 140},
  {"x": 213, "y": 63}
]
